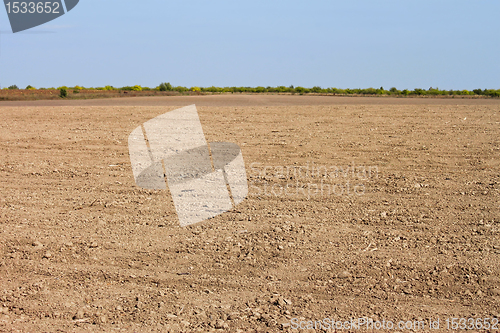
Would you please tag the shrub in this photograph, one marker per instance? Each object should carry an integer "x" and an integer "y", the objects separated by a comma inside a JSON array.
[
  {"x": 369, "y": 91},
  {"x": 195, "y": 89},
  {"x": 13, "y": 87},
  {"x": 63, "y": 92},
  {"x": 300, "y": 90},
  {"x": 127, "y": 88},
  {"x": 418, "y": 91},
  {"x": 109, "y": 88},
  {"x": 137, "y": 88},
  {"x": 181, "y": 89},
  {"x": 435, "y": 91},
  {"x": 165, "y": 87},
  {"x": 213, "y": 89},
  {"x": 29, "y": 87},
  {"x": 394, "y": 90},
  {"x": 492, "y": 92},
  {"x": 316, "y": 89}
]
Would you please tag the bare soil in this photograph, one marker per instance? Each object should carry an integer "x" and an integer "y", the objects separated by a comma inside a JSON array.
[{"x": 401, "y": 222}]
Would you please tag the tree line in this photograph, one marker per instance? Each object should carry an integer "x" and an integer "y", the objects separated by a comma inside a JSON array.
[{"x": 290, "y": 89}]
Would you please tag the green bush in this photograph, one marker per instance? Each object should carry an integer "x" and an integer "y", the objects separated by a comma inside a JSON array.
[
  {"x": 165, "y": 87},
  {"x": 63, "y": 92},
  {"x": 13, "y": 87},
  {"x": 213, "y": 89},
  {"x": 300, "y": 90},
  {"x": 181, "y": 89},
  {"x": 29, "y": 87},
  {"x": 418, "y": 91}
]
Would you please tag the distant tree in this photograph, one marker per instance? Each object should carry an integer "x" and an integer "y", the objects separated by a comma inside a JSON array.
[
  {"x": 165, "y": 87},
  {"x": 300, "y": 90},
  {"x": 316, "y": 89},
  {"x": 63, "y": 92},
  {"x": 181, "y": 89},
  {"x": 13, "y": 87},
  {"x": 30, "y": 88},
  {"x": 418, "y": 91}
]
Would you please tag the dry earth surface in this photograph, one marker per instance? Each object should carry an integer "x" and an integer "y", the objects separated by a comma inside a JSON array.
[{"x": 401, "y": 223}]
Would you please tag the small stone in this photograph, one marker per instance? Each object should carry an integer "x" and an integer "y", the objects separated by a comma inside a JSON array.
[
  {"x": 233, "y": 316},
  {"x": 344, "y": 275},
  {"x": 383, "y": 214},
  {"x": 93, "y": 245},
  {"x": 220, "y": 325},
  {"x": 80, "y": 314},
  {"x": 37, "y": 244},
  {"x": 171, "y": 316},
  {"x": 103, "y": 319},
  {"x": 495, "y": 292},
  {"x": 47, "y": 255}
]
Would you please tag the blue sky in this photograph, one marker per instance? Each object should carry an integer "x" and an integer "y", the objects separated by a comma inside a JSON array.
[{"x": 349, "y": 44}]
